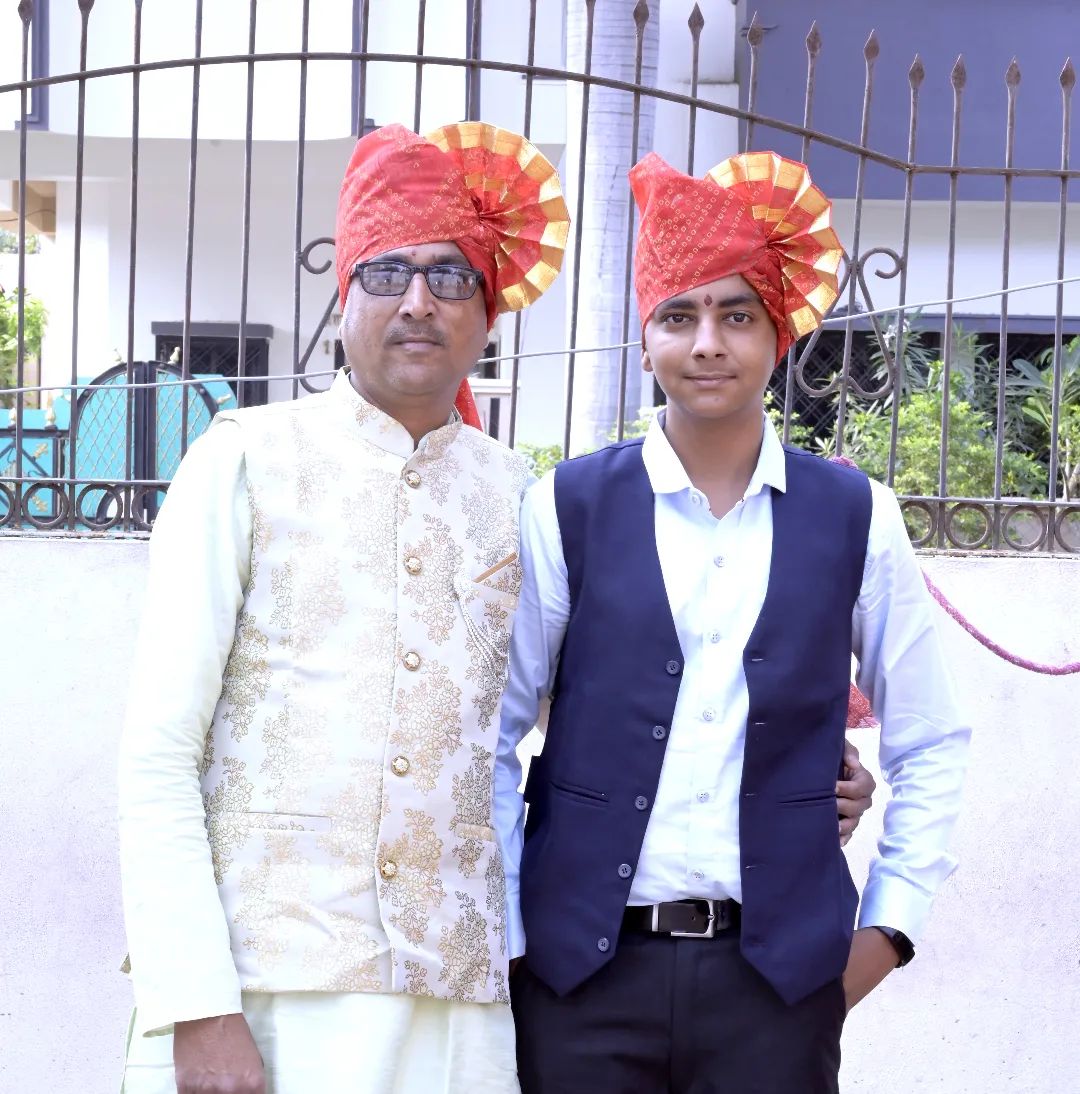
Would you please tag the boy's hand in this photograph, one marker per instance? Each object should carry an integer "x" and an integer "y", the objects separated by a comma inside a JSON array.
[{"x": 872, "y": 958}]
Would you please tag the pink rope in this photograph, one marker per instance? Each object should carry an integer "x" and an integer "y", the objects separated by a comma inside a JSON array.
[
  {"x": 1021, "y": 662},
  {"x": 955, "y": 614}
]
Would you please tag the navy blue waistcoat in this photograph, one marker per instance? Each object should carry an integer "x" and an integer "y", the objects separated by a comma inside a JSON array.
[{"x": 591, "y": 790}]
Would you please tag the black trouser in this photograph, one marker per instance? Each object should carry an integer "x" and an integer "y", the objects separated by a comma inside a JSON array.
[{"x": 675, "y": 1016}]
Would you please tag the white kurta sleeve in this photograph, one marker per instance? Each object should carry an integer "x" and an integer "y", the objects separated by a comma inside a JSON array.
[
  {"x": 539, "y": 627},
  {"x": 924, "y": 738},
  {"x": 200, "y": 551}
]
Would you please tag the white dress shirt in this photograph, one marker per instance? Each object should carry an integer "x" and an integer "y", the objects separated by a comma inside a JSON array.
[{"x": 716, "y": 573}]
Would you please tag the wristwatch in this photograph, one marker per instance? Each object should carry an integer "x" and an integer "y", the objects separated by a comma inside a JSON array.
[{"x": 905, "y": 951}]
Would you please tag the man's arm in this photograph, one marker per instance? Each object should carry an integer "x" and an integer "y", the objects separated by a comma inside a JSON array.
[
  {"x": 924, "y": 742},
  {"x": 181, "y": 960},
  {"x": 539, "y": 627}
]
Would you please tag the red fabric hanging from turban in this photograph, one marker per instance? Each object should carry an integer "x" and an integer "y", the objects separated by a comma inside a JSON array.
[{"x": 756, "y": 214}]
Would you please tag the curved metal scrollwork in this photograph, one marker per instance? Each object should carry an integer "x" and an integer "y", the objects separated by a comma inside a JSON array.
[{"x": 856, "y": 268}]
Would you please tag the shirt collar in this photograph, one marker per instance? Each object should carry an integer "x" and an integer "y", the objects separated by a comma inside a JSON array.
[
  {"x": 388, "y": 433},
  {"x": 668, "y": 476}
]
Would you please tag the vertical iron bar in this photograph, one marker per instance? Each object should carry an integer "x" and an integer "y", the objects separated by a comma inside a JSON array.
[
  {"x": 870, "y": 54},
  {"x": 515, "y": 368},
  {"x": 298, "y": 225},
  {"x": 695, "y": 23},
  {"x": 193, "y": 162},
  {"x": 360, "y": 42},
  {"x": 958, "y": 78},
  {"x": 26, "y": 14},
  {"x": 129, "y": 417},
  {"x": 813, "y": 48},
  {"x": 641, "y": 19},
  {"x": 245, "y": 236},
  {"x": 754, "y": 37},
  {"x": 590, "y": 6},
  {"x": 472, "y": 90},
  {"x": 916, "y": 74},
  {"x": 85, "y": 7},
  {"x": 1068, "y": 82},
  {"x": 1012, "y": 82},
  {"x": 421, "y": 23}
]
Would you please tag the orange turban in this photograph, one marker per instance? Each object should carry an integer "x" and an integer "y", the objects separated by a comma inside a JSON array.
[
  {"x": 486, "y": 189},
  {"x": 756, "y": 214}
]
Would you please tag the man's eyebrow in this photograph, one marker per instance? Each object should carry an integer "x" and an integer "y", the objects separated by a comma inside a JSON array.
[{"x": 446, "y": 259}]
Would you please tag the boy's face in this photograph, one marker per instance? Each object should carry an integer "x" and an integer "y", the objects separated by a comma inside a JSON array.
[{"x": 712, "y": 350}]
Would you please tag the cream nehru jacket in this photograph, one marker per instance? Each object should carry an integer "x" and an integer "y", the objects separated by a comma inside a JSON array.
[{"x": 347, "y": 776}]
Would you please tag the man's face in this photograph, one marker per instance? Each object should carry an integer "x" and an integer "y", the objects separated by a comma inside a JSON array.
[
  {"x": 413, "y": 349},
  {"x": 712, "y": 350}
]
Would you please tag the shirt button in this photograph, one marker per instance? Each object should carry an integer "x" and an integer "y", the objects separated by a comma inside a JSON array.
[
  {"x": 603, "y": 945},
  {"x": 703, "y": 796},
  {"x": 388, "y": 869},
  {"x": 697, "y": 875},
  {"x": 641, "y": 803},
  {"x": 399, "y": 765},
  {"x": 411, "y": 660},
  {"x": 715, "y": 636},
  {"x": 708, "y": 714},
  {"x": 673, "y": 668},
  {"x": 719, "y": 560},
  {"x": 625, "y": 870},
  {"x": 659, "y": 732},
  {"x": 412, "y": 479},
  {"x": 413, "y": 565}
]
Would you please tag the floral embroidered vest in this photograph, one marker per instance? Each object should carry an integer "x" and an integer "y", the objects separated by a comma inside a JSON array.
[{"x": 348, "y": 774}]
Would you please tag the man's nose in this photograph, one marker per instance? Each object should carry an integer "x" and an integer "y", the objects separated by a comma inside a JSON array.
[{"x": 417, "y": 300}]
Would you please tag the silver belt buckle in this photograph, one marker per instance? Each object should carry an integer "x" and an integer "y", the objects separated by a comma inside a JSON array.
[{"x": 710, "y": 925}]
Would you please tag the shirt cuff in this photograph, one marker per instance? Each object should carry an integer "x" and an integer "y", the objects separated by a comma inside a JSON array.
[
  {"x": 515, "y": 928},
  {"x": 155, "y": 1015},
  {"x": 896, "y": 903}
]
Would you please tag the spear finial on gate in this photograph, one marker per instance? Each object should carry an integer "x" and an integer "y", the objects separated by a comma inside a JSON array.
[
  {"x": 916, "y": 74},
  {"x": 755, "y": 32},
  {"x": 641, "y": 14},
  {"x": 1068, "y": 76},
  {"x": 1012, "y": 74},
  {"x": 958, "y": 76},
  {"x": 696, "y": 21},
  {"x": 26, "y": 10},
  {"x": 872, "y": 48},
  {"x": 813, "y": 40}
]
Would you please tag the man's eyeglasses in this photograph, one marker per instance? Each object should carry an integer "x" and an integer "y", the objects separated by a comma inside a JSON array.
[{"x": 382, "y": 278}]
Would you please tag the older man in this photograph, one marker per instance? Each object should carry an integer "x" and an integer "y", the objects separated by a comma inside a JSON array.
[{"x": 314, "y": 895}]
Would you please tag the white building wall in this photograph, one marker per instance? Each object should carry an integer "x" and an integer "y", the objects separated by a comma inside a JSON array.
[{"x": 988, "y": 1007}]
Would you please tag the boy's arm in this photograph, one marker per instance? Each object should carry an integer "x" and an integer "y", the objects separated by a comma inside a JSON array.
[
  {"x": 181, "y": 960},
  {"x": 924, "y": 738},
  {"x": 535, "y": 644}
]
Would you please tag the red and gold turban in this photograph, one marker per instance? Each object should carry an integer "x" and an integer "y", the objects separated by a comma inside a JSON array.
[
  {"x": 486, "y": 189},
  {"x": 756, "y": 214}
]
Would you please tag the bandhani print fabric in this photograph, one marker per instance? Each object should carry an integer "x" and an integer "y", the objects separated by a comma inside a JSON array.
[
  {"x": 486, "y": 189},
  {"x": 756, "y": 214}
]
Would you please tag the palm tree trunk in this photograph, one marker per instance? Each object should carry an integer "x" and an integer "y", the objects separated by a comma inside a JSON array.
[{"x": 602, "y": 260}]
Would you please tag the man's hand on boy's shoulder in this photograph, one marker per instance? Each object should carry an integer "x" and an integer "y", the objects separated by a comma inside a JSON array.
[{"x": 854, "y": 793}]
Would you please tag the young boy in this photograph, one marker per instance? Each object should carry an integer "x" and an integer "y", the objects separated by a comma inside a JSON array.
[{"x": 692, "y": 603}]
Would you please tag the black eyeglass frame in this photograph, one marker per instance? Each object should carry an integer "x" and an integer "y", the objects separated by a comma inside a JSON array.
[{"x": 424, "y": 271}]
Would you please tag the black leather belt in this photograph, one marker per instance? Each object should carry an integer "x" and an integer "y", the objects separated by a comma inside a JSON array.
[{"x": 684, "y": 918}]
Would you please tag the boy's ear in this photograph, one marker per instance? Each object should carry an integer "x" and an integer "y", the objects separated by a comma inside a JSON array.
[{"x": 646, "y": 364}]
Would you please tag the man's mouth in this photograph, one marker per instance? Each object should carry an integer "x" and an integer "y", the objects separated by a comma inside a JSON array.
[{"x": 414, "y": 338}]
